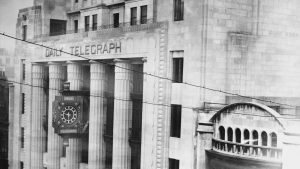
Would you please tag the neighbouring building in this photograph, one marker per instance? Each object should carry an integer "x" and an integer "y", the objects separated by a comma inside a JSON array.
[
  {"x": 3, "y": 119},
  {"x": 149, "y": 84}
]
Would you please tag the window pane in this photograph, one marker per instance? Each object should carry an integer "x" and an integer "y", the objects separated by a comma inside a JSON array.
[
  {"x": 143, "y": 14},
  {"x": 173, "y": 163},
  {"x": 76, "y": 26},
  {"x": 87, "y": 23},
  {"x": 177, "y": 70},
  {"x": 24, "y": 32},
  {"x": 178, "y": 10},
  {"x": 133, "y": 16},
  {"x": 116, "y": 20},
  {"x": 57, "y": 27},
  {"x": 94, "y": 22},
  {"x": 175, "y": 121}
]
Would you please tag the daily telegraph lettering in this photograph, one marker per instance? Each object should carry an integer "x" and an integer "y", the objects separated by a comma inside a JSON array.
[{"x": 89, "y": 49}]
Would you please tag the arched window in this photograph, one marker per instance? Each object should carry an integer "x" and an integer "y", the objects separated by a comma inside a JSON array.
[
  {"x": 230, "y": 138},
  {"x": 255, "y": 142},
  {"x": 222, "y": 133},
  {"x": 238, "y": 139},
  {"x": 264, "y": 139},
  {"x": 273, "y": 139},
  {"x": 264, "y": 142},
  {"x": 238, "y": 135},
  {"x": 229, "y": 134},
  {"x": 246, "y": 140},
  {"x": 255, "y": 137},
  {"x": 246, "y": 136}
]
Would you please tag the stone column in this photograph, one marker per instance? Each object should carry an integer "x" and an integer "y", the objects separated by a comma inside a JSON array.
[
  {"x": 74, "y": 149},
  {"x": 38, "y": 111},
  {"x": 122, "y": 115},
  {"x": 54, "y": 140},
  {"x": 98, "y": 109}
]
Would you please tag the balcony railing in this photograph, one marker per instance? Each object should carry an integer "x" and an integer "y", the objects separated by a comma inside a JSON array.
[
  {"x": 124, "y": 26},
  {"x": 261, "y": 152}
]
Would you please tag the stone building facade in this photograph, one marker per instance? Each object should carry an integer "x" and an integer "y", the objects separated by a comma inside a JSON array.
[{"x": 143, "y": 84}]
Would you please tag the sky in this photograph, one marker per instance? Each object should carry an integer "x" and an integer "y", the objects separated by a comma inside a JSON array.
[{"x": 8, "y": 18}]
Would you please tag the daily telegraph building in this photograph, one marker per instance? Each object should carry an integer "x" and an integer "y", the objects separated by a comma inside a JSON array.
[{"x": 127, "y": 85}]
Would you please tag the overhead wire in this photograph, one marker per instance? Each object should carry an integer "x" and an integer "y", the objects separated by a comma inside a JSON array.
[
  {"x": 146, "y": 102},
  {"x": 145, "y": 73}
]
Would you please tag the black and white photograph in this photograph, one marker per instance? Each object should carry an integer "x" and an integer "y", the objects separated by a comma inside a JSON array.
[{"x": 149, "y": 84}]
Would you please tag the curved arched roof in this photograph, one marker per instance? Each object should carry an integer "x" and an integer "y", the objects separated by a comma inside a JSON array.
[{"x": 272, "y": 112}]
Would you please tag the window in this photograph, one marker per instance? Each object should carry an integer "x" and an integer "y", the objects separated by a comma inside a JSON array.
[
  {"x": 133, "y": 16},
  {"x": 94, "y": 27},
  {"x": 175, "y": 121},
  {"x": 22, "y": 137},
  {"x": 76, "y": 1},
  {"x": 173, "y": 163},
  {"x": 177, "y": 70},
  {"x": 86, "y": 23},
  {"x": 273, "y": 140},
  {"x": 237, "y": 135},
  {"x": 222, "y": 133},
  {"x": 23, "y": 103},
  {"x": 116, "y": 20},
  {"x": 24, "y": 32},
  {"x": 75, "y": 26},
  {"x": 23, "y": 70},
  {"x": 144, "y": 14},
  {"x": 178, "y": 10},
  {"x": 255, "y": 137},
  {"x": 21, "y": 165},
  {"x": 57, "y": 27}
]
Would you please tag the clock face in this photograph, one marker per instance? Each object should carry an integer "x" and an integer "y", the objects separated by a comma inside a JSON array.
[{"x": 69, "y": 114}]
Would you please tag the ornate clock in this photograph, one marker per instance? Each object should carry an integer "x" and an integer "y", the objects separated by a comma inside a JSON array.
[{"x": 69, "y": 115}]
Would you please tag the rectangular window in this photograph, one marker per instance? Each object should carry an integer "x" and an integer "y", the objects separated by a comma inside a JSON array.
[
  {"x": 75, "y": 26},
  {"x": 94, "y": 27},
  {"x": 173, "y": 163},
  {"x": 24, "y": 32},
  {"x": 86, "y": 23},
  {"x": 21, "y": 165},
  {"x": 116, "y": 20},
  {"x": 22, "y": 137},
  {"x": 175, "y": 121},
  {"x": 178, "y": 10},
  {"x": 177, "y": 70},
  {"x": 23, "y": 103},
  {"x": 76, "y": 1},
  {"x": 133, "y": 16},
  {"x": 57, "y": 27},
  {"x": 23, "y": 70},
  {"x": 144, "y": 14}
]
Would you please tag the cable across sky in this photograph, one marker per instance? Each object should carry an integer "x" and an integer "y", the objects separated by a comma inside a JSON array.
[{"x": 149, "y": 74}]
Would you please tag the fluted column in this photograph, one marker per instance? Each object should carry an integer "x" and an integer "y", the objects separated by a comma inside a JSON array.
[
  {"x": 98, "y": 109},
  {"x": 54, "y": 140},
  {"x": 38, "y": 110},
  {"x": 122, "y": 115},
  {"x": 73, "y": 151}
]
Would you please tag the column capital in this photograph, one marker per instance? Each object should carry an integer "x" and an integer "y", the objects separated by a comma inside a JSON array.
[
  {"x": 121, "y": 61},
  {"x": 54, "y": 63},
  {"x": 38, "y": 71},
  {"x": 69, "y": 62}
]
